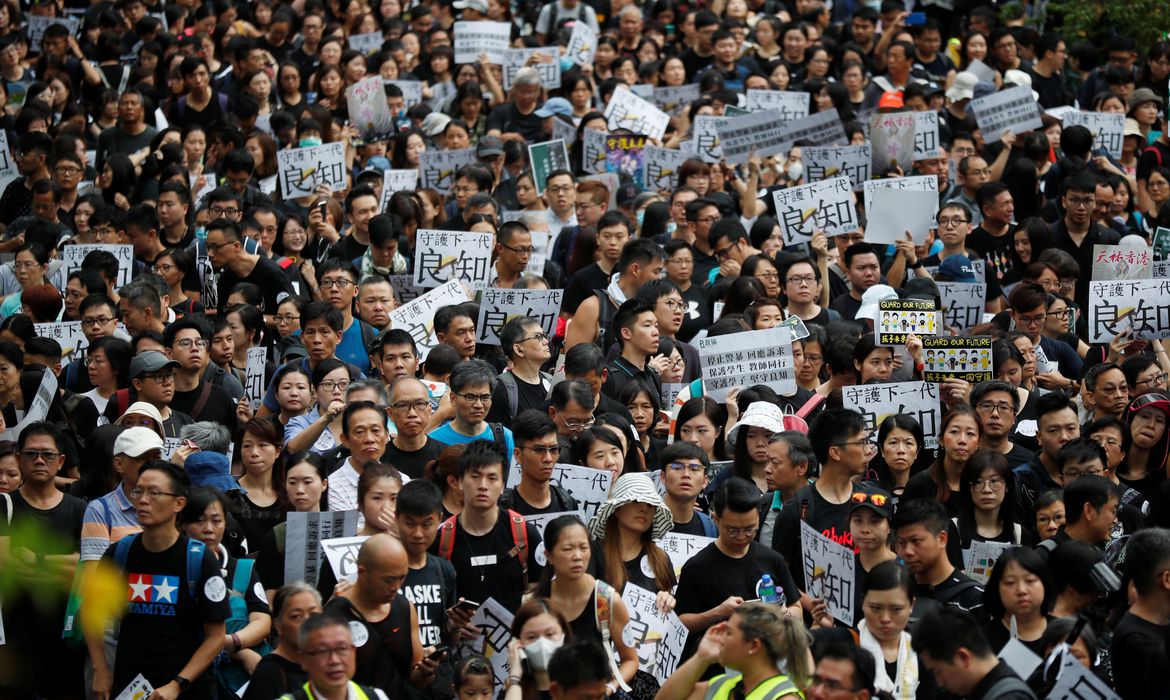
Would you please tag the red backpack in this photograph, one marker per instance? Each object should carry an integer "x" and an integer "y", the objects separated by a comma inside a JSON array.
[{"x": 519, "y": 539}]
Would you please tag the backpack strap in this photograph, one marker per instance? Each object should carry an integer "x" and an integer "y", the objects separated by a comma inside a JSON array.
[
  {"x": 810, "y": 405},
  {"x": 956, "y": 591},
  {"x": 512, "y": 391},
  {"x": 195, "y": 550},
  {"x": 201, "y": 402},
  {"x": 243, "y": 575},
  {"x": 603, "y": 612},
  {"x": 501, "y": 441},
  {"x": 447, "y": 538},
  {"x": 1008, "y": 684},
  {"x": 709, "y": 528},
  {"x": 520, "y": 539},
  {"x": 122, "y": 550},
  {"x": 605, "y": 313},
  {"x": 122, "y": 400}
]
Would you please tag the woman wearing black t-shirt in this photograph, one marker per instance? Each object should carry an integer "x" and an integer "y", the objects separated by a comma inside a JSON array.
[{"x": 279, "y": 672}]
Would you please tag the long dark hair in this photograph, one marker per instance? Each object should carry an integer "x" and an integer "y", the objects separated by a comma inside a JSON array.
[
  {"x": 979, "y": 462},
  {"x": 878, "y": 469},
  {"x": 937, "y": 469}
]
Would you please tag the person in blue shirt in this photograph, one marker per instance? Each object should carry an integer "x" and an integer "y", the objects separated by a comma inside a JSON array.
[
  {"x": 472, "y": 384},
  {"x": 339, "y": 287}
]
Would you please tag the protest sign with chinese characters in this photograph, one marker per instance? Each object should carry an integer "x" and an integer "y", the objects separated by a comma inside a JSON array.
[
  {"x": 659, "y": 639},
  {"x": 708, "y": 145},
  {"x": 369, "y": 112},
  {"x": 967, "y": 358},
  {"x": 496, "y": 623},
  {"x": 962, "y": 303},
  {"x": 892, "y": 137},
  {"x": 546, "y": 60},
  {"x": 660, "y": 167},
  {"x": 680, "y": 548},
  {"x": 628, "y": 111},
  {"x": 924, "y": 183},
  {"x": 498, "y": 306},
  {"x": 675, "y": 100},
  {"x": 564, "y": 131},
  {"x": 1075, "y": 682},
  {"x": 820, "y": 129},
  {"x": 790, "y": 106},
  {"x": 7, "y": 165},
  {"x": 895, "y": 212},
  {"x": 1107, "y": 128},
  {"x": 473, "y": 38},
  {"x": 404, "y": 288},
  {"x": 590, "y": 487},
  {"x": 828, "y": 571},
  {"x": 826, "y": 162},
  {"x": 593, "y": 151},
  {"x": 366, "y": 43},
  {"x": 342, "y": 554},
  {"x": 582, "y": 45},
  {"x": 1013, "y": 109},
  {"x": 418, "y": 316},
  {"x": 536, "y": 261},
  {"x": 438, "y": 167},
  {"x": 900, "y": 317},
  {"x": 744, "y": 359},
  {"x": 876, "y": 402},
  {"x": 303, "y": 557},
  {"x": 37, "y": 24},
  {"x": 1161, "y": 243},
  {"x": 74, "y": 254},
  {"x": 826, "y": 205},
  {"x": 1117, "y": 262},
  {"x": 925, "y": 134},
  {"x": 254, "y": 376},
  {"x": 763, "y": 132},
  {"x": 1139, "y": 306},
  {"x": 302, "y": 170},
  {"x": 545, "y": 158},
  {"x": 396, "y": 181},
  {"x": 624, "y": 155},
  {"x": 411, "y": 91},
  {"x": 442, "y": 256}
]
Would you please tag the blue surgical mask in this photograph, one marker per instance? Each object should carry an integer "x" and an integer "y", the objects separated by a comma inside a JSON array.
[
  {"x": 201, "y": 233},
  {"x": 309, "y": 141},
  {"x": 670, "y": 227},
  {"x": 641, "y": 216},
  {"x": 566, "y": 64}
]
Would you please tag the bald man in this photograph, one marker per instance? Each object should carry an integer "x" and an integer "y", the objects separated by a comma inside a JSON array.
[
  {"x": 410, "y": 409},
  {"x": 384, "y": 624}
]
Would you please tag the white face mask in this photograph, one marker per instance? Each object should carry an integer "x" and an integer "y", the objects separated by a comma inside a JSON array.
[
  {"x": 795, "y": 171},
  {"x": 540, "y": 652}
]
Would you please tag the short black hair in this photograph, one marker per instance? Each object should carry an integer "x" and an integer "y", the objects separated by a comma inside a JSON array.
[
  {"x": 1093, "y": 490},
  {"x": 943, "y": 632},
  {"x": 1082, "y": 450},
  {"x": 832, "y": 426},
  {"x": 420, "y": 498},
  {"x": 579, "y": 662},
  {"x": 627, "y": 315},
  {"x": 480, "y": 454},
  {"x": 531, "y": 425},
  {"x": 737, "y": 495},
  {"x": 927, "y": 511}
]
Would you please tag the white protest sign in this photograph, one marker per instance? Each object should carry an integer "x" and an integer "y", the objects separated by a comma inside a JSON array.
[
  {"x": 342, "y": 553},
  {"x": 680, "y": 548},
  {"x": 1141, "y": 306},
  {"x": 396, "y": 181},
  {"x": 593, "y": 151},
  {"x": 825, "y": 162},
  {"x": 826, "y": 205},
  {"x": 659, "y": 639},
  {"x": 675, "y": 100},
  {"x": 876, "y": 402},
  {"x": 367, "y": 43},
  {"x": 74, "y": 254},
  {"x": 789, "y": 105},
  {"x": 498, "y": 306},
  {"x": 745, "y": 359},
  {"x": 1019, "y": 657},
  {"x": 628, "y": 111},
  {"x": 582, "y": 45},
  {"x": 925, "y": 134},
  {"x": 661, "y": 166},
  {"x": 302, "y": 552},
  {"x": 923, "y": 183},
  {"x": 981, "y": 70},
  {"x": 369, "y": 112},
  {"x": 564, "y": 131},
  {"x": 438, "y": 167},
  {"x": 894, "y": 213},
  {"x": 38, "y": 408},
  {"x": 1075, "y": 682},
  {"x": 901, "y": 317},
  {"x": 302, "y": 170},
  {"x": 404, "y": 288},
  {"x": 705, "y": 129},
  {"x": 763, "y": 131},
  {"x": 254, "y": 376},
  {"x": 482, "y": 37},
  {"x": 1013, "y": 109},
  {"x": 496, "y": 623},
  {"x": 536, "y": 261},
  {"x": 418, "y": 317},
  {"x": 545, "y": 59},
  {"x": 892, "y": 138},
  {"x": 962, "y": 303},
  {"x": 36, "y": 29},
  {"x": 412, "y": 91},
  {"x": 981, "y": 558},
  {"x": 68, "y": 335},
  {"x": 442, "y": 256},
  {"x": 139, "y": 689},
  {"x": 820, "y": 129},
  {"x": 1107, "y": 128},
  {"x": 1116, "y": 262},
  {"x": 7, "y": 165},
  {"x": 828, "y": 572}
]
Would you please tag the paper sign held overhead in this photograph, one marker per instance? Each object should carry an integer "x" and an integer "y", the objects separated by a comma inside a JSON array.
[
  {"x": 482, "y": 37},
  {"x": 628, "y": 111},
  {"x": 897, "y": 318},
  {"x": 302, "y": 170},
  {"x": 438, "y": 168},
  {"x": 828, "y": 572},
  {"x": 418, "y": 316},
  {"x": 827, "y": 162},
  {"x": 498, "y": 306},
  {"x": 744, "y": 359},
  {"x": 962, "y": 357},
  {"x": 582, "y": 45},
  {"x": 1013, "y": 109},
  {"x": 896, "y": 212},
  {"x": 876, "y": 402},
  {"x": 827, "y": 205},
  {"x": 442, "y": 256},
  {"x": 892, "y": 137},
  {"x": 789, "y": 106}
]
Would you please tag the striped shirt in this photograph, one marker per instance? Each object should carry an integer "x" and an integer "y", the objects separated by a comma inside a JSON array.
[{"x": 107, "y": 520}]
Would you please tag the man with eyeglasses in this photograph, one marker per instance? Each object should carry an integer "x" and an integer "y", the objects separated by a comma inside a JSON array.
[
  {"x": 328, "y": 657},
  {"x": 670, "y": 309},
  {"x": 523, "y": 385},
  {"x": 143, "y": 309},
  {"x": 561, "y": 193},
  {"x": 226, "y": 252},
  {"x": 472, "y": 385},
  {"x": 954, "y": 230},
  {"x": 570, "y": 405},
  {"x": 186, "y": 341},
  {"x": 31, "y": 156},
  {"x": 684, "y": 474},
  {"x": 996, "y": 403},
  {"x": 1086, "y": 456},
  {"x": 411, "y": 449},
  {"x": 706, "y": 598},
  {"x": 1057, "y": 364},
  {"x": 973, "y": 173},
  {"x": 731, "y": 246},
  {"x": 701, "y": 214},
  {"x": 1106, "y": 392},
  {"x": 843, "y": 672},
  {"x": 37, "y": 659},
  {"x": 338, "y": 281},
  {"x": 538, "y": 450},
  {"x": 152, "y": 376},
  {"x": 173, "y": 627},
  {"x": 1076, "y": 233},
  {"x": 513, "y": 251}
]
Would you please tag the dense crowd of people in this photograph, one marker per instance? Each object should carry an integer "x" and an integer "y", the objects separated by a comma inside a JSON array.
[{"x": 193, "y": 348}]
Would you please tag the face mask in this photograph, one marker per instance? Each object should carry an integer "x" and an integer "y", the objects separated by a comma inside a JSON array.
[
  {"x": 640, "y": 216},
  {"x": 201, "y": 233},
  {"x": 795, "y": 171},
  {"x": 670, "y": 227},
  {"x": 566, "y": 65},
  {"x": 310, "y": 141},
  {"x": 539, "y": 652}
]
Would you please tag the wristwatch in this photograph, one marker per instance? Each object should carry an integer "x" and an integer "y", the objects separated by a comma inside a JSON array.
[{"x": 184, "y": 684}]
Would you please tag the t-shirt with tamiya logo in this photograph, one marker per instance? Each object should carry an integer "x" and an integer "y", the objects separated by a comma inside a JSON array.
[{"x": 163, "y": 623}]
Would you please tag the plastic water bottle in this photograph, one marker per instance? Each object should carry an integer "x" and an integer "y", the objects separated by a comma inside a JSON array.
[{"x": 767, "y": 590}]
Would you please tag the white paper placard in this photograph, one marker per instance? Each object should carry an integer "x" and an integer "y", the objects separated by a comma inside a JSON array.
[
  {"x": 894, "y": 213},
  {"x": 790, "y": 106},
  {"x": 482, "y": 37},
  {"x": 496, "y": 622},
  {"x": 301, "y": 170},
  {"x": 412, "y": 91},
  {"x": 305, "y": 533},
  {"x": 590, "y": 487},
  {"x": 981, "y": 558},
  {"x": 547, "y": 63},
  {"x": 745, "y": 359},
  {"x": 74, "y": 254},
  {"x": 924, "y": 183},
  {"x": 675, "y": 100},
  {"x": 876, "y": 402},
  {"x": 892, "y": 137},
  {"x": 367, "y": 43},
  {"x": 342, "y": 553},
  {"x": 705, "y": 129},
  {"x": 582, "y": 45},
  {"x": 680, "y": 548},
  {"x": 438, "y": 168},
  {"x": 396, "y": 181},
  {"x": 369, "y": 112},
  {"x": 593, "y": 151},
  {"x": 660, "y": 167},
  {"x": 7, "y": 165},
  {"x": 826, "y": 162},
  {"x": 1013, "y": 109},
  {"x": 1116, "y": 262},
  {"x": 984, "y": 72},
  {"x": 418, "y": 316},
  {"x": 925, "y": 134},
  {"x": 962, "y": 303},
  {"x": 828, "y": 572},
  {"x": 659, "y": 639},
  {"x": 139, "y": 689},
  {"x": 765, "y": 132},
  {"x": 498, "y": 306},
  {"x": 1108, "y": 129},
  {"x": 1140, "y": 306},
  {"x": 628, "y": 111},
  {"x": 254, "y": 376},
  {"x": 443, "y": 256},
  {"x": 37, "y": 25},
  {"x": 826, "y": 205}
]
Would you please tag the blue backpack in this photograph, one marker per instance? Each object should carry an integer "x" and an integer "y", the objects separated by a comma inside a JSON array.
[
  {"x": 229, "y": 674},
  {"x": 195, "y": 550}
]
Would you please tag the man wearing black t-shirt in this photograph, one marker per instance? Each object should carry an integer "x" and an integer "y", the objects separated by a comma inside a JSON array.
[
  {"x": 410, "y": 410},
  {"x": 718, "y": 579},
  {"x": 361, "y": 205},
  {"x": 841, "y": 443},
  {"x": 174, "y": 627},
  {"x": 537, "y": 451},
  {"x": 920, "y": 535},
  {"x": 480, "y": 542},
  {"x": 992, "y": 239},
  {"x": 42, "y": 534},
  {"x": 186, "y": 341},
  {"x": 1139, "y": 642},
  {"x": 684, "y": 473},
  {"x": 225, "y": 251},
  {"x": 701, "y": 54},
  {"x": 522, "y": 386}
]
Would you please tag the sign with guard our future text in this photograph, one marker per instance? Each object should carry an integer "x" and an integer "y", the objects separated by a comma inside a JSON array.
[
  {"x": 961, "y": 357},
  {"x": 744, "y": 359},
  {"x": 442, "y": 256},
  {"x": 898, "y": 318},
  {"x": 498, "y": 306}
]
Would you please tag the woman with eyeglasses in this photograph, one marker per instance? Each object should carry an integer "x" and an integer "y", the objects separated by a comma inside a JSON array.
[
  {"x": 1018, "y": 599},
  {"x": 280, "y": 671},
  {"x": 319, "y": 430},
  {"x": 176, "y": 266},
  {"x": 1145, "y": 373},
  {"x": 107, "y": 363},
  {"x": 987, "y": 503},
  {"x": 803, "y": 292},
  {"x": 1058, "y": 321},
  {"x": 1145, "y": 461}
]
